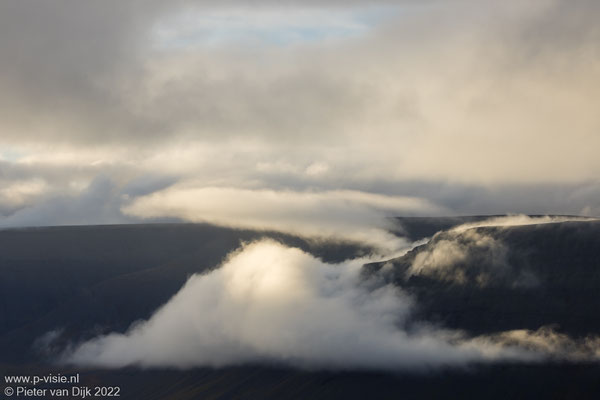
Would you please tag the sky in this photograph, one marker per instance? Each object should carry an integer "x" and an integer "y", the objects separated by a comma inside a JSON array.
[{"x": 301, "y": 116}]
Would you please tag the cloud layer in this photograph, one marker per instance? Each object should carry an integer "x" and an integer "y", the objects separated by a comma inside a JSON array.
[
  {"x": 475, "y": 106},
  {"x": 518, "y": 220},
  {"x": 349, "y": 215}
]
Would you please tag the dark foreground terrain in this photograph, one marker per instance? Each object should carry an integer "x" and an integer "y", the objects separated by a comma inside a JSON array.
[{"x": 91, "y": 280}]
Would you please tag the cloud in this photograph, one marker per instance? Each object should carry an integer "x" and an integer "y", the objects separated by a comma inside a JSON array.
[
  {"x": 399, "y": 95},
  {"x": 518, "y": 220},
  {"x": 467, "y": 255},
  {"x": 547, "y": 341},
  {"x": 270, "y": 303},
  {"x": 80, "y": 203},
  {"x": 18, "y": 194},
  {"x": 477, "y": 106},
  {"x": 94, "y": 204},
  {"x": 339, "y": 213}
]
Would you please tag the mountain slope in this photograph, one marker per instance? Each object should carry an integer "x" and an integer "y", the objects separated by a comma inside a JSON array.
[
  {"x": 90, "y": 280},
  {"x": 520, "y": 277}
]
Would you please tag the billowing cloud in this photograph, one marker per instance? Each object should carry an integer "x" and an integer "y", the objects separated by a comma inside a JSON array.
[
  {"x": 469, "y": 257},
  {"x": 466, "y": 255},
  {"x": 274, "y": 304},
  {"x": 269, "y": 303}
]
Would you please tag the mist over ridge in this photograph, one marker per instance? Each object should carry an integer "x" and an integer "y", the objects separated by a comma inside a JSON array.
[{"x": 280, "y": 281}]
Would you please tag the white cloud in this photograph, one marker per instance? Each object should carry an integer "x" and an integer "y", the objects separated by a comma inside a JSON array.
[
  {"x": 468, "y": 257},
  {"x": 269, "y": 303},
  {"x": 20, "y": 193},
  {"x": 547, "y": 341},
  {"x": 518, "y": 220},
  {"x": 340, "y": 214},
  {"x": 465, "y": 255}
]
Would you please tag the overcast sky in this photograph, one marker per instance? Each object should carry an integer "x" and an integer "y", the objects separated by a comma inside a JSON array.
[{"x": 267, "y": 113}]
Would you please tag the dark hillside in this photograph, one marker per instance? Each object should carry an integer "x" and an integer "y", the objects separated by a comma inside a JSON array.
[
  {"x": 89, "y": 280},
  {"x": 550, "y": 275}
]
